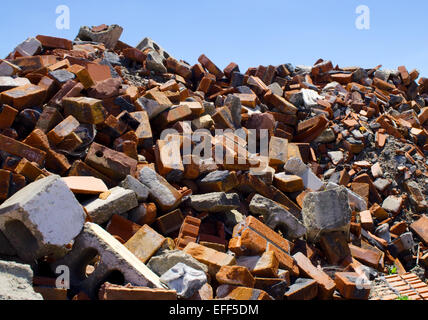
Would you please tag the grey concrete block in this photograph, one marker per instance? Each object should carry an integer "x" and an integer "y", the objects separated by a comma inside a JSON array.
[
  {"x": 215, "y": 202},
  {"x": 276, "y": 216},
  {"x": 119, "y": 201},
  {"x": 326, "y": 211},
  {"x": 42, "y": 218},
  {"x": 133, "y": 184},
  {"x": 114, "y": 258}
]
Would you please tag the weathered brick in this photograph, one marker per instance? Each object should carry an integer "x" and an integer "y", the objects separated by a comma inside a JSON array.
[
  {"x": 212, "y": 258},
  {"x": 85, "y": 110},
  {"x": 326, "y": 284},
  {"x": 62, "y": 130},
  {"x": 145, "y": 243},
  {"x": 24, "y": 97},
  {"x": 22, "y": 150}
]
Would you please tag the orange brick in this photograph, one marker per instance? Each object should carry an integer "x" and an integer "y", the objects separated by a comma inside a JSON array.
[
  {"x": 288, "y": 183},
  {"x": 241, "y": 293},
  {"x": 62, "y": 130},
  {"x": 326, "y": 284},
  {"x": 82, "y": 75},
  {"x": 28, "y": 170},
  {"x": 22, "y": 150},
  {"x": 5, "y": 178},
  {"x": 210, "y": 66},
  {"x": 115, "y": 292},
  {"x": 212, "y": 258},
  {"x": 55, "y": 43},
  {"x": 23, "y": 97},
  {"x": 348, "y": 286},
  {"x": 144, "y": 243},
  {"x": 7, "y": 116},
  {"x": 280, "y": 103},
  {"x": 235, "y": 275},
  {"x": 420, "y": 227},
  {"x": 366, "y": 220},
  {"x": 278, "y": 151}
]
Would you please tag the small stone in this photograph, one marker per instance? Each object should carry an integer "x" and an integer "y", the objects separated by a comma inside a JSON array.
[
  {"x": 393, "y": 204},
  {"x": 336, "y": 157}
]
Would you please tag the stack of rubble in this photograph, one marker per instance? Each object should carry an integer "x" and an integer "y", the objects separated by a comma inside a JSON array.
[{"x": 90, "y": 185}]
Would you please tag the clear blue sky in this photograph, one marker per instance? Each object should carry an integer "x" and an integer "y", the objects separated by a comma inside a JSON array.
[{"x": 248, "y": 32}]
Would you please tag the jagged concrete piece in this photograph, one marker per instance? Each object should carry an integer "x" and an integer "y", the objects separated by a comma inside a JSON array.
[
  {"x": 276, "y": 216},
  {"x": 133, "y": 184},
  {"x": 299, "y": 168},
  {"x": 165, "y": 261},
  {"x": 184, "y": 279},
  {"x": 109, "y": 37},
  {"x": 165, "y": 195},
  {"x": 215, "y": 202},
  {"x": 42, "y": 218},
  {"x": 326, "y": 211},
  {"x": 114, "y": 258},
  {"x": 355, "y": 200},
  {"x": 148, "y": 43},
  {"x": 16, "y": 282},
  {"x": 119, "y": 201}
]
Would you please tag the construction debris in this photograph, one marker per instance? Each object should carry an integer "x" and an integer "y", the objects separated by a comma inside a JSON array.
[{"x": 149, "y": 178}]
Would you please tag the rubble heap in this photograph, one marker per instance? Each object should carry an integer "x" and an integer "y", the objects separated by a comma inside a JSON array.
[{"x": 90, "y": 184}]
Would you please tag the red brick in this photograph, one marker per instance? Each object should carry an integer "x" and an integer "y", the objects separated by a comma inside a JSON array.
[
  {"x": 110, "y": 291},
  {"x": 53, "y": 43},
  {"x": 326, "y": 284},
  {"x": 348, "y": 285},
  {"x": 22, "y": 150},
  {"x": 23, "y": 97}
]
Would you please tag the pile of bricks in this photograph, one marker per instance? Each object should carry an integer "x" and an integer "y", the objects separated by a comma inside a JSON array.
[{"x": 89, "y": 182}]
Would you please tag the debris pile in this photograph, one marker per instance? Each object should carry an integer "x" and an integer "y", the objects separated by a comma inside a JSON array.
[{"x": 129, "y": 174}]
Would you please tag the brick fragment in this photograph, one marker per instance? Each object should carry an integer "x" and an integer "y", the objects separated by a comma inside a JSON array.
[
  {"x": 145, "y": 243},
  {"x": 235, "y": 275},
  {"x": 85, "y": 110},
  {"x": 212, "y": 258},
  {"x": 326, "y": 284},
  {"x": 349, "y": 286},
  {"x": 27, "y": 96},
  {"x": 22, "y": 150}
]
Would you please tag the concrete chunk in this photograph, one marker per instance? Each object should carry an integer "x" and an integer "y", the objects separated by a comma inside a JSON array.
[
  {"x": 114, "y": 259},
  {"x": 326, "y": 211},
  {"x": 41, "y": 218},
  {"x": 165, "y": 195},
  {"x": 119, "y": 201},
  {"x": 165, "y": 261},
  {"x": 17, "y": 282},
  {"x": 109, "y": 37},
  {"x": 215, "y": 202},
  {"x": 276, "y": 216},
  {"x": 299, "y": 168},
  {"x": 184, "y": 279},
  {"x": 133, "y": 184}
]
